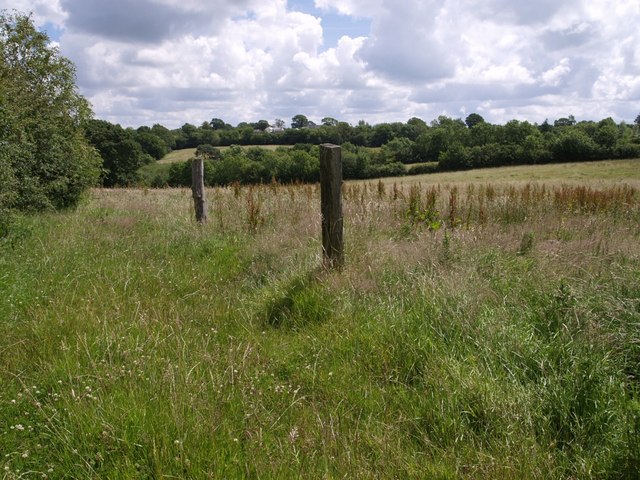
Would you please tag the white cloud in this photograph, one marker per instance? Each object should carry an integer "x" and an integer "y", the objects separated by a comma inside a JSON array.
[
  {"x": 176, "y": 61},
  {"x": 43, "y": 10},
  {"x": 554, "y": 75},
  {"x": 356, "y": 8}
]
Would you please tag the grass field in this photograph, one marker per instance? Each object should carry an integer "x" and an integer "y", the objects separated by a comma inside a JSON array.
[
  {"x": 589, "y": 172},
  {"x": 178, "y": 156},
  {"x": 485, "y": 325}
]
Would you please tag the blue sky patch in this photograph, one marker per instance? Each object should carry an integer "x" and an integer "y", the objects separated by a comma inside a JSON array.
[{"x": 334, "y": 25}]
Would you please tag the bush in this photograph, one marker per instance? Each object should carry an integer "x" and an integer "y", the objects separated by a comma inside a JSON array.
[
  {"x": 456, "y": 157},
  {"x": 627, "y": 150},
  {"x": 45, "y": 161},
  {"x": 573, "y": 145},
  {"x": 423, "y": 168},
  {"x": 395, "y": 169}
]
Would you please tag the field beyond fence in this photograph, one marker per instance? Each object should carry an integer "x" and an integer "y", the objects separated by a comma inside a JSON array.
[{"x": 485, "y": 325}]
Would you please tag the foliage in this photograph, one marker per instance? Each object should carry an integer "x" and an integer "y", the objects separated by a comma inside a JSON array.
[
  {"x": 299, "y": 121},
  {"x": 573, "y": 145},
  {"x": 473, "y": 119},
  {"x": 286, "y": 165},
  {"x": 380, "y": 150},
  {"x": 150, "y": 143},
  {"x": 45, "y": 162},
  {"x": 473, "y": 143},
  {"x": 121, "y": 153}
]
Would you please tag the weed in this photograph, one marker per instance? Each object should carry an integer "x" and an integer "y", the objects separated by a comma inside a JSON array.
[
  {"x": 254, "y": 207},
  {"x": 527, "y": 243}
]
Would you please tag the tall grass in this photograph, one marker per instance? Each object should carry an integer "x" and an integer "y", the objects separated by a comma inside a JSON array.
[{"x": 483, "y": 330}]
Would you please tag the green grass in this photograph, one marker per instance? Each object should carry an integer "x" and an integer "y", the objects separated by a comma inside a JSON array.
[
  {"x": 504, "y": 343},
  {"x": 178, "y": 156},
  {"x": 154, "y": 173}
]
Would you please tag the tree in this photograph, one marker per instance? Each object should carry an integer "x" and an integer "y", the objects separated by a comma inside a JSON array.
[
  {"x": 165, "y": 135},
  {"x": 218, "y": 124},
  {"x": 208, "y": 152},
  {"x": 573, "y": 145},
  {"x": 261, "y": 125},
  {"x": 565, "y": 122},
  {"x": 121, "y": 153},
  {"x": 278, "y": 123},
  {"x": 381, "y": 134},
  {"x": 329, "y": 122},
  {"x": 399, "y": 150},
  {"x": 299, "y": 121},
  {"x": 473, "y": 119},
  {"x": 151, "y": 144},
  {"x": 417, "y": 127},
  {"x": 637, "y": 120},
  {"x": 45, "y": 161},
  {"x": 607, "y": 133},
  {"x": 545, "y": 127}
]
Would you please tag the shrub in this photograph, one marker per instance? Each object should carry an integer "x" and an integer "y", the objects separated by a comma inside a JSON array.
[
  {"x": 45, "y": 161},
  {"x": 573, "y": 145}
]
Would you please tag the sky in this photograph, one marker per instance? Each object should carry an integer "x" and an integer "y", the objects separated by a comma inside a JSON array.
[{"x": 141, "y": 62}]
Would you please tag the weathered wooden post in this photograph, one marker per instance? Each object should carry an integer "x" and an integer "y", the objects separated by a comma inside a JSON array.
[
  {"x": 331, "y": 205},
  {"x": 197, "y": 187}
]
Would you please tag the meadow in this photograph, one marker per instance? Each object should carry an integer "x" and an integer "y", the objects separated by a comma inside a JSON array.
[{"x": 486, "y": 325}]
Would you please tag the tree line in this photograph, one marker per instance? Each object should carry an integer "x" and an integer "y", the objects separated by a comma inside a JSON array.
[{"x": 391, "y": 149}]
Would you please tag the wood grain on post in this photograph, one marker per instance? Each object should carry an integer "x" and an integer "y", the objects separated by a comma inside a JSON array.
[
  {"x": 197, "y": 186},
  {"x": 331, "y": 205}
]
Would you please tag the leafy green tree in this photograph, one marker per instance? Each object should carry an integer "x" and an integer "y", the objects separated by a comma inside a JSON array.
[
  {"x": 165, "y": 135},
  {"x": 299, "y": 121},
  {"x": 473, "y": 119},
  {"x": 417, "y": 127},
  {"x": 208, "y": 151},
  {"x": 455, "y": 157},
  {"x": 483, "y": 133},
  {"x": 45, "y": 161},
  {"x": 573, "y": 145},
  {"x": 361, "y": 133},
  {"x": 565, "y": 121},
  {"x": 399, "y": 150},
  {"x": 329, "y": 122},
  {"x": 515, "y": 131},
  {"x": 607, "y": 133},
  {"x": 431, "y": 144},
  {"x": 218, "y": 124},
  {"x": 121, "y": 153},
  {"x": 261, "y": 125},
  {"x": 382, "y": 133},
  {"x": 545, "y": 127},
  {"x": 151, "y": 144}
]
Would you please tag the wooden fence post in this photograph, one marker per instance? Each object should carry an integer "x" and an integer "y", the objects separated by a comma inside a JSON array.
[
  {"x": 197, "y": 186},
  {"x": 331, "y": 205}
]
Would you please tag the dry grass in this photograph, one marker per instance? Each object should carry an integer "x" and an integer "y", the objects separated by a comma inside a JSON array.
[{"x": 573, "y": 173}]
